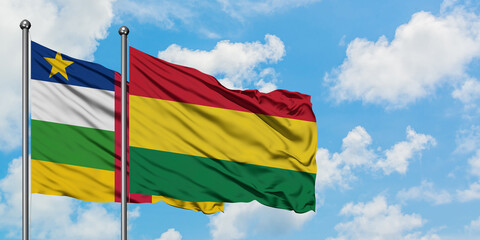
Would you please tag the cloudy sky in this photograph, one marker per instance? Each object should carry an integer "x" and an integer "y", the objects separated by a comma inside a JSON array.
[{"x": 395, "y": 87}]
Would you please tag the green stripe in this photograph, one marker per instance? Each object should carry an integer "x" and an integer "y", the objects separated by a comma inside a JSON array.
[
  {"x": 67, "y": 144},
  {"x": 200, "y": 179}
]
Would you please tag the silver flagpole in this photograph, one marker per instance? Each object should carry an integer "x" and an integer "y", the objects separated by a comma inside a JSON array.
[
  {"x": 123, "y": 31},
  {"x": 25, "y": 26}
]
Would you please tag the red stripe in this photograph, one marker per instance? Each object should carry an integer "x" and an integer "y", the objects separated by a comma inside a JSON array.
[
  {"x": 155, "y": 78},
  {"x": 131, "y": 197},
  {"x": 118, "y": 139}
]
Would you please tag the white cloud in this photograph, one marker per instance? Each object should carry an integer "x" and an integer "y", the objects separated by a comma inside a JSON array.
[
  {"x": 355, "y": 150},
  {"x": 474, "y": 226},
  {"x": 397, "y": 157},
  {"x": 341, "y": 43},
  {"x": 268, "y": 78},
  {"x": 265, "y": 87},
  {"x": 331, "y": 171},
  {"x": 11, "y": 195},
  {"x": 92, "y": 222},
  {"x": 208, "y": 33},
  {"x": 238, "y": 64},
  {"x": 163, "y": 12},
  {"x": 378, "y": 220},
  {"x": 468, "y": 92},
  {"x": 473, "y": 192},
  {"x": 474, "y": 163},
  {"x": 240, "y": 9},
  {"x": 425, "y": 192},
  {"x": 170, "y": 234},
  {"x": 243, "y": 219},
  {"x": 468, "y": 140},
  {"x": 426, "y": 52},
  {"x": 419, "y": 236},
  {"x": 470, "y": 194},
  {"x": 193, "y": 15},
  {"x": 52, "y": 23},
  {"x": 448, "y": 5},
  {"x": 169, "y": 14},
  {"x": 337, "y": 168},
  {"x": 53, "y": 217},
  {"x": 134, "y": 213}
]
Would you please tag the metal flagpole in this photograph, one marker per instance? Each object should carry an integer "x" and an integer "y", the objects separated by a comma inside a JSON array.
[
  {"x": 25, "y": 26},
  {"x": 123, "y": 31}
]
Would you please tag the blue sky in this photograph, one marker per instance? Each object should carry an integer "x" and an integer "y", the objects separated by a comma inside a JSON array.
[{"x": 395, "y": 89}]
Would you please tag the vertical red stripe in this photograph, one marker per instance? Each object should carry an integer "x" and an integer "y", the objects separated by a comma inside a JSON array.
[
  {"x": 118, "y": 138},
  {"x": 131, "y": 197}
]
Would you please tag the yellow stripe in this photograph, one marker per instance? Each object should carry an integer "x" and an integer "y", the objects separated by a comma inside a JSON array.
[
  {"x": 223, "y": 134},
  {"x": 82, "y": 183},
  {"x": 205, "y": 207}
]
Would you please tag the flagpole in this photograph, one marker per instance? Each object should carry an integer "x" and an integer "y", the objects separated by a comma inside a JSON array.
[
  {"x": 123, "y": 31},
  {"x": 25, "y": 26}
]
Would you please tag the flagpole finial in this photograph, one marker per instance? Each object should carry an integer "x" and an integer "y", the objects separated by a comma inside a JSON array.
[
  {"x": 123, "y": 30},
  {"x": 26, "y": 24}
]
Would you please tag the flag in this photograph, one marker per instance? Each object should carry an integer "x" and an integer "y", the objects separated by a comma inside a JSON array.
[
  {"x": 72, "y": 127},
  {"x": 75, "y": 131},
  {"x": 194, "y": 140}
]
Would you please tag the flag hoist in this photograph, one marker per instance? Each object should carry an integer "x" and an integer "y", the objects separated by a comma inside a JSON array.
[
  {"x": 123, "y": 31},
  {"x": 25, "y": 26}
]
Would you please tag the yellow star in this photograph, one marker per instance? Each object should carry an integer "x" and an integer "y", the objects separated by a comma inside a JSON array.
[{"x": 58, "y": 65}]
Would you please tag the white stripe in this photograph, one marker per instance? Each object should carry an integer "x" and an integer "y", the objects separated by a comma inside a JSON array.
[{"x": 73, "y": 105}]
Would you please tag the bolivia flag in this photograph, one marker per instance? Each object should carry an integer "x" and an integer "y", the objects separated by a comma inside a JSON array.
[
  {"x": 194, "y": 140},
  {"x": 75, "y": 148}
]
